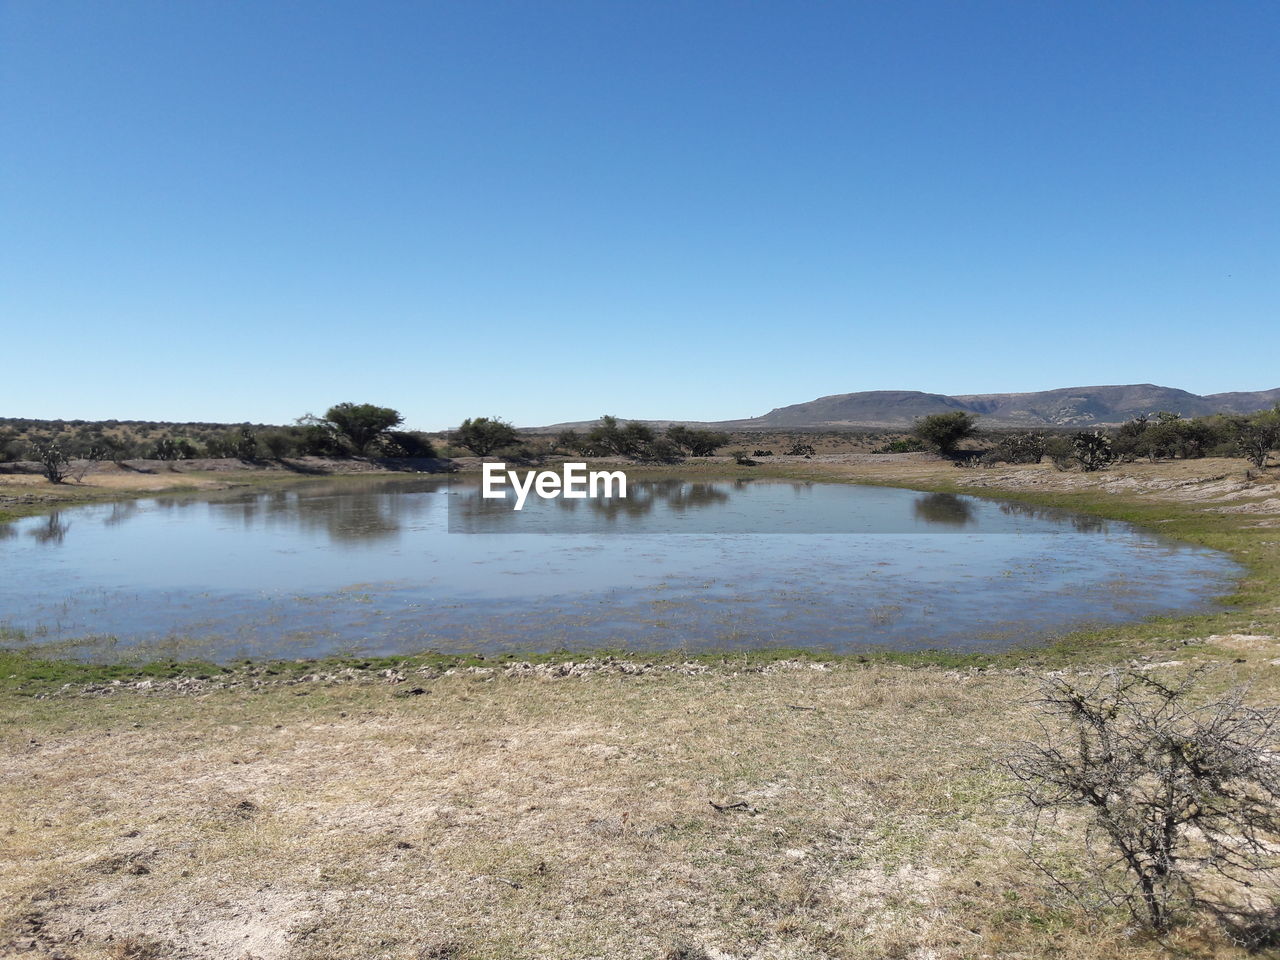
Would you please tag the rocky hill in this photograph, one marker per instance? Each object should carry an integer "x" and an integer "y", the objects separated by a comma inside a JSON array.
[{"x": 1066, "y": 407}]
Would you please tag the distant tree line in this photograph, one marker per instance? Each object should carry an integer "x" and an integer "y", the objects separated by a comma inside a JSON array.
[
  {"x": 488, "y": 436},
  {"x": 369, "y": 430},
  {"x": 1164, "y": 436},
  {"x": 345, "y": 430}
]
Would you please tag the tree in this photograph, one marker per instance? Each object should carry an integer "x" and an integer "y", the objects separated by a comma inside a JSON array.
[
  {"x": 696, "y": 443},
  {"x": 483, "y": 435},
  {"x": 1183, "y": 795},
  {"x": 53, "y": 460},
  {"x": 610, "y": 438},
  {"x": 174, "y": 448},
  {"x": 1092, "y": 450},
  {"x": 945, "y": 431},
  {"x": 359, "y": 424},
  {"x": 1257, "y": 436},
  {"x": 1130, "y": 438},
  {"x": 247, "y": 443}
]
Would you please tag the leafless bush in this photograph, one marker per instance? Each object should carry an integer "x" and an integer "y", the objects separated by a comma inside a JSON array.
[
  {"x": 77, "y": 470},
  {"x": 1181, "y": 796}
]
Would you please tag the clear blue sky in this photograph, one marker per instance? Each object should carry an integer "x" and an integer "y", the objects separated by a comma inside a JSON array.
[{"x": 545, "y": 210}]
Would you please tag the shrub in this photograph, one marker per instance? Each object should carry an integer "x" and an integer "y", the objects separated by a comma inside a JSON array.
[
  {"x": 1256, "y": 436},
  {"x": 9, "y": 447},
  {"x": 944, "y": 432},
  {"x": 609, "y": 437},
  {"x": 278, "y": 443},
  {"x": 1169, "y": 436},
  {"x": 1017, "y": 448},
  {"x": 315, "y": 439},
  {"x": 800, "y": 449},
  {"x": 1128, "y": 441},
  {"x": 660, "y": 450},
  {"x": 406, "y": 443},
  {"x": 1182, "y": 798},
  {"x": 568, "y": 441},
  {"x": 901, "y": 445},
  {"x": 1092, "y": 451},
  {"x": 697, "y": 443},
  {"x": 483, "y": 435},
  {"x": 1061, "y": 451},
  {"x": 172, "y": 448},
  {"x": 53, "y": 460}
]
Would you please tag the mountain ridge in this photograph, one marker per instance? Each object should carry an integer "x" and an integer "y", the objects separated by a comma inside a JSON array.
[{"x": 1091, "y": 406}]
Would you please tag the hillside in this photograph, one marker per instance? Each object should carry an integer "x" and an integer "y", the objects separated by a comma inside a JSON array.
[{"x": 1065, "y": 407}]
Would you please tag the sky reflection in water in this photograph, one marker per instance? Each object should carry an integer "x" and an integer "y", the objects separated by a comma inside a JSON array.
[{"x": 373, "y": 568}]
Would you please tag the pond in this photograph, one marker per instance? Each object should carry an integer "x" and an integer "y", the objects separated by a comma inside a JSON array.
[{"x": 399, "y": 566}]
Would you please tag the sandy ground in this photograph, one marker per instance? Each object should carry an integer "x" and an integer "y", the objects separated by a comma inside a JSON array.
[{"x": 804, "y": 811}]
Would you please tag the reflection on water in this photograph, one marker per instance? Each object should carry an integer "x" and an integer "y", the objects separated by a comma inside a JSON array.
[
  {"x": 372, "y": 567},
  {"x": 1080, "y": 522},
  {"x": 743, "y": 507},
  {"x": 944, "y": 508},
  {"x": 52, "y": 529},
  {"x": 120, "y": 512},
  {"x": 472, "y": 513},
  {"x": 344, "y": 515}
]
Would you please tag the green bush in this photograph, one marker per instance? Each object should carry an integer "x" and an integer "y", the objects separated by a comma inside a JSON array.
[
  {"x": 1254, "y": 437},
  {"x": 1017, "y": 448},
  {"x": 484, "y": 435},
  {"x": 406, "y": 443},
  {"x": 1092, "y": 451},
  {"x": 1061, "y": 451},
  {"x": 944, "y": 432},
  {"x": 361, "y": 425},
  {"x": 696, "y": 443},
  {"x": 278, "y": 443},
  {"x": 611, "y": 438}
]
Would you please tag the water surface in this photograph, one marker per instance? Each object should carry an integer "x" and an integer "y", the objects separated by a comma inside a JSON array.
[{"x": 372, "y": 568}]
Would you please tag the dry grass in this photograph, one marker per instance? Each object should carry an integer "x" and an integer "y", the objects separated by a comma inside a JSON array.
[{"x": 496, "y": 816}]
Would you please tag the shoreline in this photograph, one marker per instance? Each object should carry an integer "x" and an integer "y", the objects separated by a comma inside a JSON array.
[{"x": 1169, "y": 505}]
